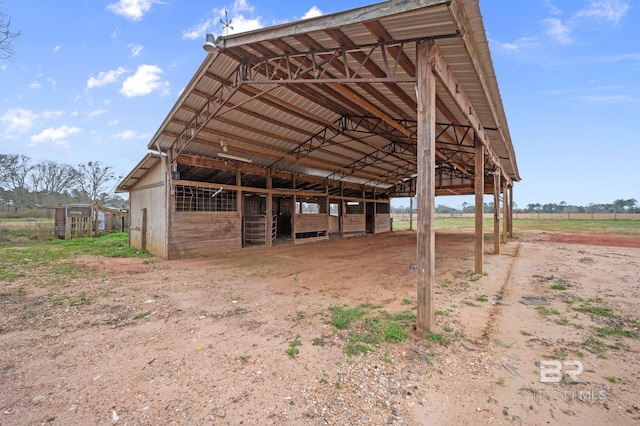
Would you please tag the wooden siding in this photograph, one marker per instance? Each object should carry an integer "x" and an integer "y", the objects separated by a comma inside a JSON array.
[
  {"x": 193, "y": 234},
  {"x": 149, "y": 193},
  {"x": 311, "y": 223},
  {"x": 354, "y": 223},
  {"x": 383, "y": 223}
]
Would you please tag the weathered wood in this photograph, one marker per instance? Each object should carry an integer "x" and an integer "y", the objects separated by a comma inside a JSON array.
[
  {"x": 496, "y": 212},
  {"x": 143, "y": 228},
  {"x": 194, "y": 234},
  {"x": 505, "y": 213},
  {"x": 426, "y": 144},
  {"x": 311, "y": 223},
  {"x": 479, "y": 207},
  {"x": 382, "y": 223},
  {"x": 269, "y": 212},
  {"x": 354, "y": 223},
  {"x": 511, "y": 211}
]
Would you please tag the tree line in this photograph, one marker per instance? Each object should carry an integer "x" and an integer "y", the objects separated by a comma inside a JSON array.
[
  {"x": 617, "y": 206},
  {"x": 25, "y": 184}
]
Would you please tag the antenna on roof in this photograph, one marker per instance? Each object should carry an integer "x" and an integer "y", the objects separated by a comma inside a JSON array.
[{"x": 226, "y": 24}]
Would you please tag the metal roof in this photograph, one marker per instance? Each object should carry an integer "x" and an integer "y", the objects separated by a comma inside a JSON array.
[{"x": 335, "y": 96}]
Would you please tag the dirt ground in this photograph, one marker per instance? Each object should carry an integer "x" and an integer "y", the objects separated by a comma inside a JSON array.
[{"x": 203, "y": 341}]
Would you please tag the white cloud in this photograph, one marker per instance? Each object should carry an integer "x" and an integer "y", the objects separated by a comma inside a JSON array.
[
  {"x": 105, "y": 77},
  {"x": 558, "y": 31},
  {"x": 52, "y": 82},
  {"x": 56, "y": 135},
  {"x": 34, "y": 85},
  {"x": 129, "y": 134},
  {"x": 135, "y": 49},
  {"x": 605, "y": 10},
  {"x": 113, "y": 122},
  {"x": 57, "y": 48},
  {"x": 199, "y": 30},
  {"x": 18, "y": 119},
  {"x": 3, "y": 67},
  {"x": 147, "y": 79},
  {"x": 521, "y": 44},
  {"x": 133, "y": 10},
  {"x": 608, "y": 99},
  {"x": 312, "y": 13},
  {"x": 96, "y": 112},
  {"x": 239, "y": 23}
]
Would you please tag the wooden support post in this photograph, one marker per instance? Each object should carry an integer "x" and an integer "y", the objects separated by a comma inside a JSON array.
[
  {"x": 479, "y": 207},
  {"x": 496, "y": 212},
  {"x": 505, "y": 213},
  {"x": 143, "y": 229},
  {"x": 239, "y": 193},
  {"x": 410, "y": 213},
  {"x": 426, "y": 144},
  {"x": 269, "y": 212},
  {"x": 511, "y": 210},
  {"x": 294, "y": 212}
]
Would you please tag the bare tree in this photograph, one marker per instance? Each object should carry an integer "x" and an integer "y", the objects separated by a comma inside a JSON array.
[
  {"x": 51, "y": 180},
  {"x": 93, "y": 179},
  {"x": 6, "y": 36}
]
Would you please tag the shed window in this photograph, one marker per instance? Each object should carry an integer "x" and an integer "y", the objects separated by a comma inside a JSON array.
[
  {"x": 355, "y": 207},
  {"x": 198, "y": 199}
]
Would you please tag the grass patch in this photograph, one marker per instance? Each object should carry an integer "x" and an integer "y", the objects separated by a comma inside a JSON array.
[
  {"x": 342, "y": 317},
  {"x": 611, "y": 379},
  {"x": 543, "y": 310},
  {"x": 525, "y": 333},
  {"x": 615, "y": 331},
  {"x": 600, "y": 310},
  {"x": 293, "y": 350},
  {"x": 437, "y": 338},
  {"x": 142, "y": 315},
  {"x": 482, "y": 298},
  {"x": 558, "y": 286},
  {"x": 369, "y": 327}
]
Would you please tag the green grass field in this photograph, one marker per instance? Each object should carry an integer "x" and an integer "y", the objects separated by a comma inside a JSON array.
[{"x": 619, "y": 227}]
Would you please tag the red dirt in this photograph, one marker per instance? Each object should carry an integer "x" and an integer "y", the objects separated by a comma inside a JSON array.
[
  {"x": 212, "y": 349},
  {"x": 591, "y": 239}
]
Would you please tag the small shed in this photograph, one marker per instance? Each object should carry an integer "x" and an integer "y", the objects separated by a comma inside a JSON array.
[{"x": 74, "y": 221}]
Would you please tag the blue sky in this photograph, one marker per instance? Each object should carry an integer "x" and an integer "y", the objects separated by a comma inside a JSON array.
[{"x": 93, "y": 80}]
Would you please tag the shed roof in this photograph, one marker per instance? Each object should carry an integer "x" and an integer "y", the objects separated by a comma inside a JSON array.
[{"x": 335, "y": 96}]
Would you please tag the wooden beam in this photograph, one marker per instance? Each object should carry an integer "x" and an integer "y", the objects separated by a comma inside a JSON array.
[
  {"x": 426, "y": 155},
  {"x": 269, "y": 212},
  {"x": 511, "y": 211},
  {"x": 479, "y": 207},
  {"x": 496, "y": 212},
  {"x": 505, "y": 213}
]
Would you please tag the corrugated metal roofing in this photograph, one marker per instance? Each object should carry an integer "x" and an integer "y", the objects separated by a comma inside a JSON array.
[{"x": 309, "y": 126}]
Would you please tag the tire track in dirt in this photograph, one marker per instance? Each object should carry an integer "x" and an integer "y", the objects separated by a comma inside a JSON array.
[{"x": 496, "y": 309}]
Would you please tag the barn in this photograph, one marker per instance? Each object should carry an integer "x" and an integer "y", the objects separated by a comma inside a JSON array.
[{"x": 305, "y": 131}]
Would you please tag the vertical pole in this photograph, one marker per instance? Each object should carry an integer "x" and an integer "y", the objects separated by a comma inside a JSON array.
[
  {"x": 479, "y": 207},
  {"x": 496, "y": 212},
  {"x": 511, "y": 211},
  {"x": 143, "y": 229},
  {"x": 426, "y": 144},
  {"x": 269, "y": 212},
  {"x": 410, "y": 213},
  {"x": 505, "y": 212},
  {"x": 295, "y": 211}
]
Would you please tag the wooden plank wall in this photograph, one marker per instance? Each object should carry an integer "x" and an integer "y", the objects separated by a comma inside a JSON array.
[
  {"x": 194, "y": 234},
  {"x": 354, "y": 223},
  {"x": 152, "y": 196},
  {"x": 383, "y": 223},
  {"x": 311, "y": 223}
]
